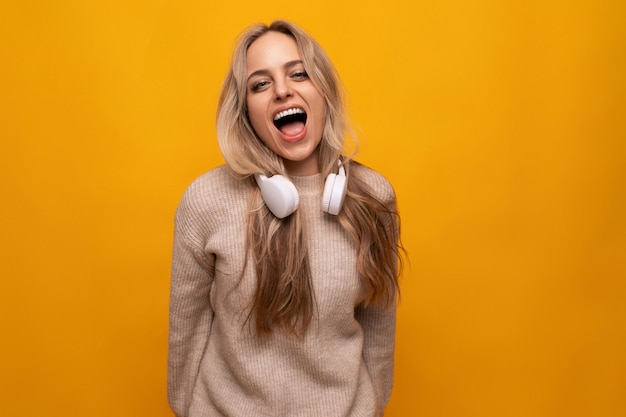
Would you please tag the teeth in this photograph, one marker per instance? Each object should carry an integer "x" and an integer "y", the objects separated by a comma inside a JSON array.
[{"x": 288, "y": 112}]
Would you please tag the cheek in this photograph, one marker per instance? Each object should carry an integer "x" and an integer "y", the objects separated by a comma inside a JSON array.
[
  {"x": 322, "y": 111},
  {"x": 256, "y": 115}
]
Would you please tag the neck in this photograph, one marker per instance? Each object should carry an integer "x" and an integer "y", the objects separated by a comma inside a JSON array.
[{"x": 308, "y": 166}]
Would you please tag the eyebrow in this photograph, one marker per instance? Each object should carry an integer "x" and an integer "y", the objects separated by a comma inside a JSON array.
[{"x": 287, "y": 65}]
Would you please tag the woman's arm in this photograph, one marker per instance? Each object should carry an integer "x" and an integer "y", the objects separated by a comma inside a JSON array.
[
  {"x": 379, "y": 322},
  {"x": 190, "y": 310},
  {"x": 379, "y": 330}
]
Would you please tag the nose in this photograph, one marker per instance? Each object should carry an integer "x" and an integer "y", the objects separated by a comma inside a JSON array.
[{"x": 282, "y": 90}]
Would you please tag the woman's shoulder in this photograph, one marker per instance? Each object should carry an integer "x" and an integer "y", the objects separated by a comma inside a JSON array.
[
  {"x": 218, "y": 177},
  {"x": 213, "y": 190},
  {"x": 380, "y": 186},
  {"x": 217, "y": 181}
]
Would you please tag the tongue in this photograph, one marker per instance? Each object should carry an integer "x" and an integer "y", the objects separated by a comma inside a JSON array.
[{"x": 292, "y": 129}]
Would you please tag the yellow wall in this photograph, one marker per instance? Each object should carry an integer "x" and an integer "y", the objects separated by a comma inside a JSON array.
[{"x": 501, "y": 124}]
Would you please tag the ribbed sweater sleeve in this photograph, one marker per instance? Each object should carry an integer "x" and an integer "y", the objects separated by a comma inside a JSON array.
[
  {"x": 379, "y": 323},
  {"x": 378, "y": 346},
  {"x": 190, "y": 312}
]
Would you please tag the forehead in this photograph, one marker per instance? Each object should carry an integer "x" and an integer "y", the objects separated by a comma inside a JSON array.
[{"x": 270, "y": 51}]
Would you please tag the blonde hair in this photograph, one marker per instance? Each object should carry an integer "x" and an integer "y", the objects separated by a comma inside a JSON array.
[
  {"x": 243, "y": 151},
  {"x": 284, "y": 296}
]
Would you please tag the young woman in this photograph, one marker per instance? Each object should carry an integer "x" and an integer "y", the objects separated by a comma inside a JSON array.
[{"x": 285, "y": 264}]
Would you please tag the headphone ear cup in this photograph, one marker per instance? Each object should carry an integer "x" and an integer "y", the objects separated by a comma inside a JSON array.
[
  {"x": 280, "y": 195},
  {"x": 334, "y": 193}
]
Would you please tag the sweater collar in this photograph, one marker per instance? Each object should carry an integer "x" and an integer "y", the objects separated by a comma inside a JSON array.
[{"x": 308, "y": 185}]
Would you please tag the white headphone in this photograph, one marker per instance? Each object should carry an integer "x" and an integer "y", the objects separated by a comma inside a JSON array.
[{"x": 281, "y": 196}]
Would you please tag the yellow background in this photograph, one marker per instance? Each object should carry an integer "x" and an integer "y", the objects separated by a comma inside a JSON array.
[{"x": 500, "y": 123}]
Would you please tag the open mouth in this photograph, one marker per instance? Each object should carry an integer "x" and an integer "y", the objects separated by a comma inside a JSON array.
[{"x": 291, "y": 121}]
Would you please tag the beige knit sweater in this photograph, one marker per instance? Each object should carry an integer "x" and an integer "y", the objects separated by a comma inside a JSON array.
[{"x": 342, "y": 366}]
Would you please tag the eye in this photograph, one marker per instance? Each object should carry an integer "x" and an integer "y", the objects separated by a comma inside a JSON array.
[
  {"x": 300, "y": 75},
  {"x": 259, "y": 85}
]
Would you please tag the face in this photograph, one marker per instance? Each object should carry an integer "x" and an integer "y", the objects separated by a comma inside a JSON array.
[{"x": 286, "y": 110}]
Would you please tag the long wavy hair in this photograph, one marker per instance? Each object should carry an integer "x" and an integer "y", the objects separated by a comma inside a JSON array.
[{"x": 284, "y": 296}]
